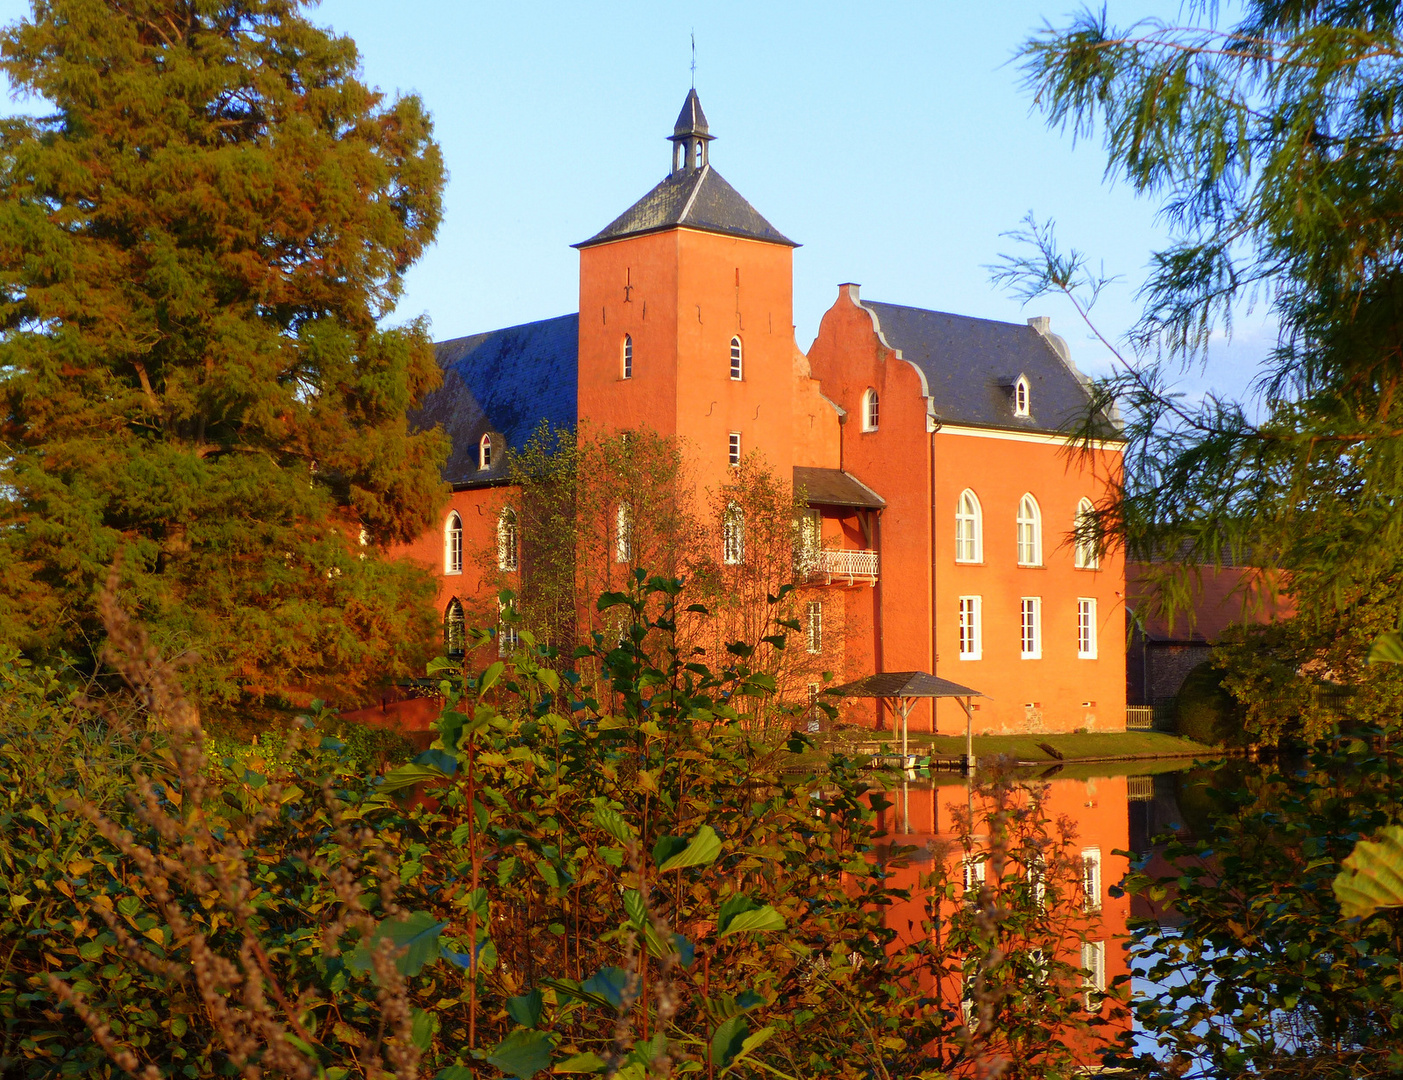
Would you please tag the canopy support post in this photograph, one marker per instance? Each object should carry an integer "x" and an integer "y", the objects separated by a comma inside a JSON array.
[{"x": 968, "y": 762}]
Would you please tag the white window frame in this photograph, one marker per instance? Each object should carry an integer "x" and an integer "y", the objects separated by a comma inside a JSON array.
[
  {"x": 1093, "y": 960},
  {"x": 484, "y": 452},
  {"x": 623, "y": 533},
  {"x": 1084, "y": 553},
  {"x": 733, "y": 457},
  {"x": 1030, "y": 627},
  {"x": 871, "y": 410},
  {"x": 508, "y": 540},
  {"x": 814, "y": 627},
  {"x": 1022, "y": 403},
  {"x": 452, "y": 543},
  {"x": 627, "y": 359},
  {"x": 969, "y": 528},
  {"x": 1086, "y": 628},
  {"x": 810, "y": 540},
  {"x": 737, "y": 359},
  {"x": 973, "y": 870},
  {"x": 971, "y": 628},
  {"x": 455, "y": 628},
  {"x": 1030, "y": 531},
  {"x": 1037, "y": 881},
  {"x": 508, "y": 637},
  {"x": 733, "y": 536},
  {"x": 1091, "y": 878}
]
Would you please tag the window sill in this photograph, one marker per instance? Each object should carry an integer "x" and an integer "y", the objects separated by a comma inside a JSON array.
[
  {"x": 969, "y": 562},
  {"x": 1030, "y": 656},
  {"x": 1086, "y": 656},
  {"x": 971, "y": 656},
  {"x": 1032, "y": 566},
  {"x": 453, "y": 573}
]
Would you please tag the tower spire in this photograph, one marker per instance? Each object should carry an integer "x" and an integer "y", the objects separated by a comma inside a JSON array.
[{"x": 690, "y": 135}]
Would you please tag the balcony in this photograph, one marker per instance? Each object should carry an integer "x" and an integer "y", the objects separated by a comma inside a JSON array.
[{"x": 852, "y": 567}]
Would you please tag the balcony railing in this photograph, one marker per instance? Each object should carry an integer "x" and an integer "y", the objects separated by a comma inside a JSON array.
[{"x": 852, "y": 566}]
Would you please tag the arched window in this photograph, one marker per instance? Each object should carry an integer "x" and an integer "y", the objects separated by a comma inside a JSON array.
[
  {"x": 1020, "y": 397},
  {"x": 733, "y": 536},
  {"x": 737, "y": 365},
  {"x": 869, "y": 410},
  {"x": 484, "y": 452},
  {"x": 453, "y": 544},
  {"x": 507, "y": 540},
  {"x": 455, "y": 629},
  {"x": 1030, "y": 532},
  {"x": 628, "y": 356},
  {"x": 623, "y": 533},
  {"x": 969, "y": 528},
  {"x": 1084, "y": 553}
]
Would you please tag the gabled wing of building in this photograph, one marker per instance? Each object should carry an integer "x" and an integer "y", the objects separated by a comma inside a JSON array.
[
  {"x": 503, "y": 383},
  {"x": 972, "y": 365}
]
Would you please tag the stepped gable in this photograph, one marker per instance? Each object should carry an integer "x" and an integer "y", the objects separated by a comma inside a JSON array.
[
  {"x": 970, "y": 366},
  {"x": 504, "y": 382}
]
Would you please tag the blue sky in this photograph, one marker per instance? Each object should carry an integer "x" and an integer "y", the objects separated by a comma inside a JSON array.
[{"x": 892, "y": 140}]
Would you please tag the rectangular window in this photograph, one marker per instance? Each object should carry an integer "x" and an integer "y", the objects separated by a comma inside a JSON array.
[
  {"x": 810, "y": 542},
  {"x": 1091, "y": 878},
  {"x": 1031, "y": 628},
  {"x": 971, "y": 632},
  {"x": 1086, "y": 628},
  {"x": 815, "y": 626},
  {"x": 1093, "y": 959},
  {"x": 815, "y": 713},
  {"x": 733, "y": 449}
]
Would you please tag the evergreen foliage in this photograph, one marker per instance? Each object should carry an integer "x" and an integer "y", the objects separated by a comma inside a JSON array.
[
  {"x": 1272, "y": 146},
  {"x": 198, "y": 243}
]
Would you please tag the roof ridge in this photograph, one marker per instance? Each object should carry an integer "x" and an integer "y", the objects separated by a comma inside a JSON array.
[
  {"x": 692, "y": 198},
  {"x": 503, "y": 329},
  {"x": 952, "y": 314}
]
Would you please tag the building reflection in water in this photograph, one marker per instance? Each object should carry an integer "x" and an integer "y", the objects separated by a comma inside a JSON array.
[{"x": 923, "y": 813}]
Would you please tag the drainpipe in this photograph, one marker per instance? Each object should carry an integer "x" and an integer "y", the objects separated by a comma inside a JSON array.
[
  {"x": 934, "y": 598},
  {"x": 876, "y": 518}
]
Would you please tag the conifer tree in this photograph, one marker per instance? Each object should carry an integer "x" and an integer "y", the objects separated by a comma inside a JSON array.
[
  {"x": 1270, "y": 133},
  {"x": 200, "y": 239}
]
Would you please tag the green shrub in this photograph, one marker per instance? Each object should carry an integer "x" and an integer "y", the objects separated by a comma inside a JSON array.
[{"x": 1205, "y": 711}]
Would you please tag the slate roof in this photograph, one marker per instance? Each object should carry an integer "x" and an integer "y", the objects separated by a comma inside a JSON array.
[
  {"x": 691, "y": 120},
  {"x": 696, "y": 199},
  {"x": 834, "y": 487},
  {"x": 971, "y": 365},
  {"x": 504, "y": 382}
]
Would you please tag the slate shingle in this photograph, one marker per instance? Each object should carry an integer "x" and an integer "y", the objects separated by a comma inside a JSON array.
[
  {"x": 970, "y": 366},
  {"x": 504, "y": 382}
]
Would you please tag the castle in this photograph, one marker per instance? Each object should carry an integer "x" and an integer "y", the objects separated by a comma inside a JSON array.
[{"x": 932, "y": 448}]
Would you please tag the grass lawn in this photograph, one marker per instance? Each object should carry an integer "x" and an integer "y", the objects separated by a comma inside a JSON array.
[{"x": 1106, "y": 744}]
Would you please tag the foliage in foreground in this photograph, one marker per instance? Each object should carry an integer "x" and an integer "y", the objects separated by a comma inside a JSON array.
[
  {"x": 634, "y": 889},
  {"x": 200, "y": 241},
  {"x": 1266, "y": 975}
]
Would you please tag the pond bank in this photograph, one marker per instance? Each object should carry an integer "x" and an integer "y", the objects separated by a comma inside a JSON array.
[{"x": 1076, "y": 747}]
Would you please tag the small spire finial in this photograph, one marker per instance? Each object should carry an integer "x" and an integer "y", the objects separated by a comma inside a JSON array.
[
  {"x": 694, "y": 59},
  {"x": 690, "y": 136}
]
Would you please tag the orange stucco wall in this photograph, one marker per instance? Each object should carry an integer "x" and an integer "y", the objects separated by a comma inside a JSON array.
[{"x": 916, "y": 604}]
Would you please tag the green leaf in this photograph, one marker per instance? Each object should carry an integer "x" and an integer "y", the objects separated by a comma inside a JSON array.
[
  {"x": 422, "y": 1025},
  {"x": 636, "y": 908},
  {"x": 442, "y": 663},
  {"x": 455, "y": 1072},
  {"x": 612, "y": 822},
  {"x": 406, "y": 776},
  {"x": 1372, "y": 877},
  {"x": 765, "y": 918},
  {"x": 525, "y": 1009},
  {"x": 417, "y": 936},
  {"x": 1387, "y": 648},
  {"x": 580, "y": 1063},
  {"x": 667, "y": 847},
  {"x": 522, "y": 1054},
  {"x": 490, "y": 677},
  {"x": 728, "y": 1040},
  {"x": 607, "y": 983},
  {"x": 731, "y": 907},
  {"x": 702, "y": 851}
]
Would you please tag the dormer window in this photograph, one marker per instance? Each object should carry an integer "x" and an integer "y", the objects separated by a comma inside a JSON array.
[
  {"x": 1020, "y": 397},
  {"x": 484, "y": 452},
  {"x": 628, "y": 357}
]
